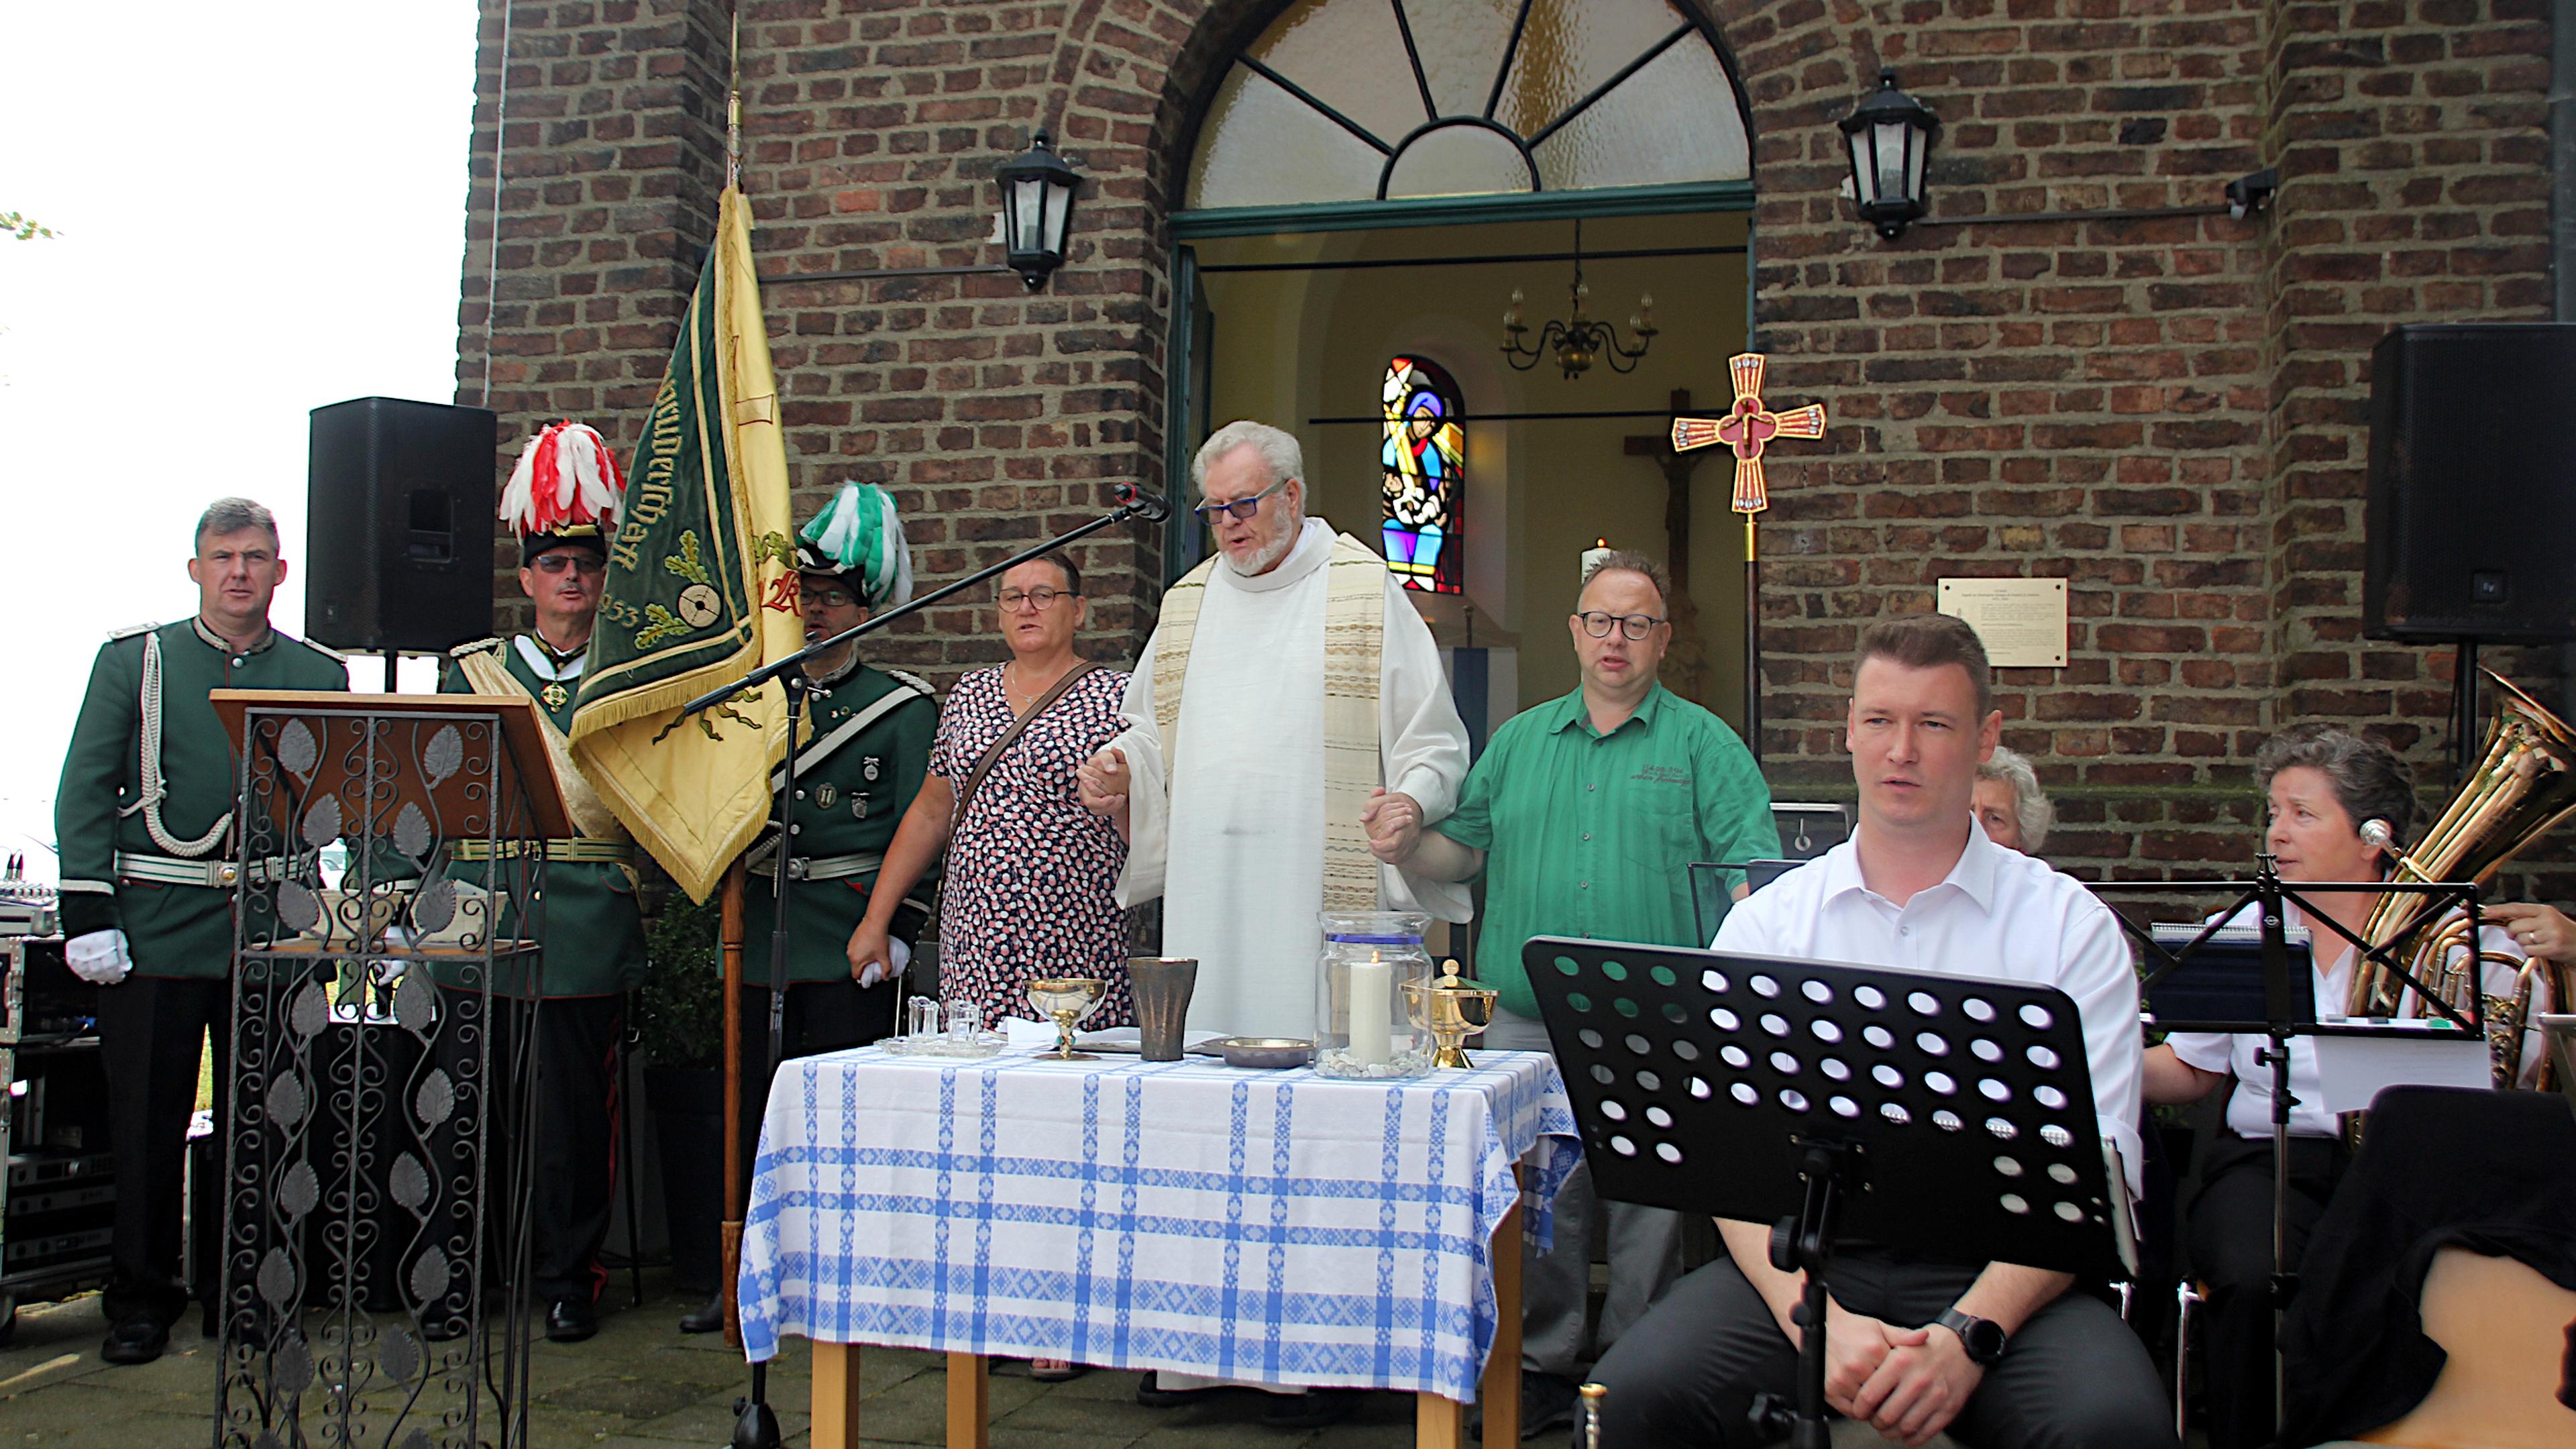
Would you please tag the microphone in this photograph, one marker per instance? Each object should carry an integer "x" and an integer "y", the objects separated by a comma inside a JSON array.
[
  {"x": 1151, "y": 507},
  {"x": 2378, "y": 833}
]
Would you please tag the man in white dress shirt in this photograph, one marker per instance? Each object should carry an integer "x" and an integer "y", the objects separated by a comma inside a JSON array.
[
  {"x": 1288, "y": 682},
  {"x": 2001, "y": 1356}
]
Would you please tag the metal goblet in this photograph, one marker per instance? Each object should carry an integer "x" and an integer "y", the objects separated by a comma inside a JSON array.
[{"x": 1068, "y": 999}]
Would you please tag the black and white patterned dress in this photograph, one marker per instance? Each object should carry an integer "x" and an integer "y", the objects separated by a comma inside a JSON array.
[{"x": 1030, "y": 872}]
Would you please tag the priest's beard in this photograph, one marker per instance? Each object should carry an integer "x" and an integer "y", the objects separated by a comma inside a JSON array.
[{"x": 1271, "y": 553}]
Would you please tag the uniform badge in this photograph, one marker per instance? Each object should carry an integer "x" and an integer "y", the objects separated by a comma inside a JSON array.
[
  {"x": 859, "y": 807},
  {"x": 826, "y": 796},
  {"x": 868, "y": 768},
  {"x": 555, "y": 696}
]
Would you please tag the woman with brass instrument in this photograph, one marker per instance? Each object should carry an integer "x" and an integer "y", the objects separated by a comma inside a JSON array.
[{"x": 2338, "y": 803}]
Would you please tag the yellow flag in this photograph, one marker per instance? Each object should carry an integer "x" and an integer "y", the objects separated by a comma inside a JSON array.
[{"x": 695, "y": 595}]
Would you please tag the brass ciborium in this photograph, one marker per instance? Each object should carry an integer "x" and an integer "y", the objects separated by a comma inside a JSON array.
[
  {"x": 1068, "y": 999},
  {"x": 1452, "y": 1009}
]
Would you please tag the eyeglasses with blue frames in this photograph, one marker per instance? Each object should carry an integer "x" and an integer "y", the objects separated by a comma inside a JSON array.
[
  {"x": 1240, "y": 507},
  {"x": 1599, "y": 622}
]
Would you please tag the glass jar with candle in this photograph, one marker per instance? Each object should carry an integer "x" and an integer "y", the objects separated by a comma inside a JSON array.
[{"x": 1361, "y": 1026}]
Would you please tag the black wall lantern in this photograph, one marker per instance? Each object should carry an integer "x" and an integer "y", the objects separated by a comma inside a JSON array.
[
  {"x": 1037, "y": 200},
  {"x": 1889, "y": 132}
]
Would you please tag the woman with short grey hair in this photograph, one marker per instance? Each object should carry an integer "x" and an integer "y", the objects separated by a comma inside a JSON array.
[{"x": 2009, "y": 803}]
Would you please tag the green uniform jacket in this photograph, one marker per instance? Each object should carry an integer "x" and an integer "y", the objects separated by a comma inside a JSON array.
[
  {"x": 172, "y": 930},
  {"x": 847, "y": 803},
  {"x": 594, "y": 931}
]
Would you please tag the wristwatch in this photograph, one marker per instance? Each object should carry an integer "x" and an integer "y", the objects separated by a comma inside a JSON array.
[{"x": 1981, "y": 1337}]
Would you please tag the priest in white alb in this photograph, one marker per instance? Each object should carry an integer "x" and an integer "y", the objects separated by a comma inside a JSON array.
[
  {"x": 1290, "y": 692},
  {"x": 1288, "y": 686}
]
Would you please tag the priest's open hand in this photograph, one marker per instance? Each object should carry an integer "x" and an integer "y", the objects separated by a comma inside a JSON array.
[{"x": 1393, "y": 821}]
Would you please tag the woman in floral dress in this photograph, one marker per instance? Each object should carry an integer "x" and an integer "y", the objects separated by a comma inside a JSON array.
[{"x": 1030, "y": 872}]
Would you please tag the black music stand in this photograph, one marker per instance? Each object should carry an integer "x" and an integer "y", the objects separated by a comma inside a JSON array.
[
  {"x": 2287, "y": 1009},
  {"x": 1948, "y": 1115}
]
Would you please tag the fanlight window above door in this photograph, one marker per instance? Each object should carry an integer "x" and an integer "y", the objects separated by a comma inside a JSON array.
[{"x": 1368, "y": 100}]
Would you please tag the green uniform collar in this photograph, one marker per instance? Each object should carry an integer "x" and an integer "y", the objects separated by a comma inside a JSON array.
[{"x": 217, "y": 642}]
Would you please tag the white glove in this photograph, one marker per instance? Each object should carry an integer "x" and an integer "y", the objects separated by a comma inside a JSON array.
[
  {"x": 875, "y": 971},
  {"x": 99, "y": 958}
]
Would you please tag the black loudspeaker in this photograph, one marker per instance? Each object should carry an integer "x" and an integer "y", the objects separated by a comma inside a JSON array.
[
  {"x": 2472, "y": 513},
  {"x": 398, "y": 529}
]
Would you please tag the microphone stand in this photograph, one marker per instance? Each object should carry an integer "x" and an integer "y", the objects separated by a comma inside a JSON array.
[{"x": 757, "y": 1427}]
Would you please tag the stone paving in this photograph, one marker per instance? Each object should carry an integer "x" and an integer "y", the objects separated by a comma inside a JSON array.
[{"x": 641, "y": 1385}]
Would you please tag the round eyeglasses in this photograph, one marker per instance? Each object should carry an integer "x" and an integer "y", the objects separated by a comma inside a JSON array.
[{"x": 1599, "y": 622}]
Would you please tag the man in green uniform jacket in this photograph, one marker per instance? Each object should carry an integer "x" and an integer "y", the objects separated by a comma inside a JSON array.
[
  {"x": 592, "y": 942},
  {"x": 1584, "y": 815},
  {"x": 862, "y": 761},
  {"x": 143, "y": 820}
]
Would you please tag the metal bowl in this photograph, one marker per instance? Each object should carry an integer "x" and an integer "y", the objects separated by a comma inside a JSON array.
[{"x": 1267, "y": 1051}]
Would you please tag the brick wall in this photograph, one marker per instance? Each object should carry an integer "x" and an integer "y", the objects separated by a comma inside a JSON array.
[{"x": 2163, "y": 411}]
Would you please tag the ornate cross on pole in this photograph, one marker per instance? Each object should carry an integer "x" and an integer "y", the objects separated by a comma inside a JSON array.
[{"x": 1747, "y": 429}]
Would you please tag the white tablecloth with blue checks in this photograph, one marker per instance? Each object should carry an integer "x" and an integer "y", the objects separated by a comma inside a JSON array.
[{"x": 1274, "y": 1227}]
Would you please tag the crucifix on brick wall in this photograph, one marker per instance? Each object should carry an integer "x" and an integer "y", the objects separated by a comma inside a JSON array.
[{"x": 1686, "y": 669}]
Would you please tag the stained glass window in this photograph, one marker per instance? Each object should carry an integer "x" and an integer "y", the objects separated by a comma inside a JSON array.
[
  {"x": 1425, "y": 478},
  {"x": 1360, "y": 100}
]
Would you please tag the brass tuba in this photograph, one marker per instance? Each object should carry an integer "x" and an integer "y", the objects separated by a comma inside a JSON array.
[{"x": 2524, "y": 784}]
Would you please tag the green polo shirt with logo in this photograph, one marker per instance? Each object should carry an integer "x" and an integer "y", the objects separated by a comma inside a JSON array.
[{"x": 1588, "y": 834}]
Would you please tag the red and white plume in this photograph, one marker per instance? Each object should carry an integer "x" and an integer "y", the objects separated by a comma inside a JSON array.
[{"x": 566, "y": 478}]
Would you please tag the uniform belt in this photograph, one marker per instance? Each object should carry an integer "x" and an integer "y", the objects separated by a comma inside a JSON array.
[
  {"x": 824, "y": 867},
  {"x": 212, "y": 874},
  {"x": 595, "y": 852}
]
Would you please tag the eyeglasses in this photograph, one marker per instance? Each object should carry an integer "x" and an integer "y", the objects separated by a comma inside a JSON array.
[
  {"x": 829, "y": 598},
  {"x": 1240, "y": 507},
  {"x": 1597, "y": 623},
  {"x": 1014, "y": 600},
  {"x": 582, "y": 562}
]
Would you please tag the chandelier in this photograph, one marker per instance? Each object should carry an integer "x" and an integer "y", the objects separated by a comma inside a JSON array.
[{"x": 1579, "y": 339}]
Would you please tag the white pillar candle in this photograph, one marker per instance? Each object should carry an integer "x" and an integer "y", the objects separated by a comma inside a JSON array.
[{"x": 1371, "y": 1042}]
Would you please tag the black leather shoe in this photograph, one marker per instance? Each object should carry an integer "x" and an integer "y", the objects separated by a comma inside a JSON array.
[
  {"x": 706, "y": 1317},
  {"x": 138, "y": 1341},
  {"x": 569, "y": 1320},
  {"x": 1151, "y": 1393},
  {"x": 1313, "y": 1409}
]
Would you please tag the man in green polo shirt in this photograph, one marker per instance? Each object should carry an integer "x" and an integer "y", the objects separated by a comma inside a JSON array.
[{"x": 1584, "y": 815}]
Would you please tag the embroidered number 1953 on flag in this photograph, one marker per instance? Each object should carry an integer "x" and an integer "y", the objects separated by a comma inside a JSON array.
[{"x": 694, "y": 595}]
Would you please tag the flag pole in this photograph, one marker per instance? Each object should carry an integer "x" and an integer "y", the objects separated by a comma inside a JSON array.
[{"x": 731, "y": 939}]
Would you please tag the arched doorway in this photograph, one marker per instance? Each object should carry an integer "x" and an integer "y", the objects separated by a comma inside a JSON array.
[{"x": 1371, "y": 181}]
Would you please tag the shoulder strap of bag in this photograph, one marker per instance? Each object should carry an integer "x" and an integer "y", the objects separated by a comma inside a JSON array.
[{"x": 991, "y": 756}]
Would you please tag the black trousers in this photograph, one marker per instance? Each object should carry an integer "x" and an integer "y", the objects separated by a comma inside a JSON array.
[
  {"x": 2074, "y": 1377},
  {"x": 150, "y": 1034},
  {"x": 820, "y": 1016},
  {"x": 2231, "y": 1254},
  {"x": 575, "y": 1115}
]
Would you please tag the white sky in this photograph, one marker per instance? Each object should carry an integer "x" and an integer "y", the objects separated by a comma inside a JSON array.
[{"x": 262, "y": 211}]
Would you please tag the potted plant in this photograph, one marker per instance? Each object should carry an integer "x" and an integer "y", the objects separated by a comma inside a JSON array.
[{"x": 679, "y": 1025}]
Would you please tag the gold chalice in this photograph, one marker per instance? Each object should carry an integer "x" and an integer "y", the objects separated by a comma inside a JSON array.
[
  {"x": 1452, "y": 1009},
  {"x": 1068, "y": 999}
]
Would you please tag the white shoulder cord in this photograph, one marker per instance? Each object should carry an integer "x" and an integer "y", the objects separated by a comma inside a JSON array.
[{"x": 154, "y": 790}]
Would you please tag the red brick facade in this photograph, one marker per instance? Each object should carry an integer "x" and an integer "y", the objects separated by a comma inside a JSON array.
[{"x": 2166, "y": 411}]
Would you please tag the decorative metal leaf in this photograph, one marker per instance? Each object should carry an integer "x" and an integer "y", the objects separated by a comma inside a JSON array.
[
  {"x": 433, "y": 906},
  {"x": 292, "y": 1363},
  {"x": 398, "y": 1354},
  {"x": 429, "y": 1275},
  {"x": 415, "y": 1004},
  {"x": 444, "y": 757},
  {"x": 418, "y": 1439},
  {"x": 435, "y": 1102},
  {"x": 297, "y": 750},
  {"x": 300, "y": 1190},
  {"x": 411, "y": 833},
  {"x": 311, "y": 1012},
  {"x": 286, "y": 1102},
  {"x": 268, "y": 1440},
  {"x": 276, "y": 1278},
  {"x": 409, "y": 1182},
  {"x": 322, "y": 822},
  {"x": 298, "y": 906}
]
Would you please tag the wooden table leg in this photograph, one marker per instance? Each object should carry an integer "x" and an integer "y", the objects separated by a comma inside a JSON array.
[
  {"x": 1440, "y": 1423},
  {"x": 969, "y": 1401},
  {"x": 836, "y": 1396}
]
